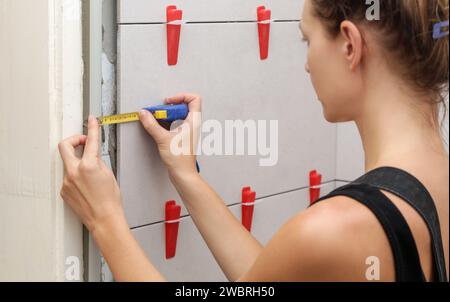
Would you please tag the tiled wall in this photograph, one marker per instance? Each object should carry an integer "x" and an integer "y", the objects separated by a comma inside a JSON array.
[{"x": 219, "y": 59}]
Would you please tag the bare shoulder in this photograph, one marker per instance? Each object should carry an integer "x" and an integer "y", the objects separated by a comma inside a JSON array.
[{"x": 336, "y": 239}]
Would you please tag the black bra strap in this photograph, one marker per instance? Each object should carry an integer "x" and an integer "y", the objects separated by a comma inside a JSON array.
[
  {"x": 411, "y": 190},
  {"x": 406, "y": 257}
]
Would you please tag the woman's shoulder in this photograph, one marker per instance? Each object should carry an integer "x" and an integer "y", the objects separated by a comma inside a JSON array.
[
  {"x": 336, "y": 216},
  {"x": 338, "y": 238}
]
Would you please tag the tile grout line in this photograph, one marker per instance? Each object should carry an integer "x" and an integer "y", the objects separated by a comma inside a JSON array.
[
  {"x": 207, "y": 22},
  {"x": 238, "y": 203}
]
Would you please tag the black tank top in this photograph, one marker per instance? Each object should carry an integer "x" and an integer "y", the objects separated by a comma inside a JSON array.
[{"x": 366, "y": 190}]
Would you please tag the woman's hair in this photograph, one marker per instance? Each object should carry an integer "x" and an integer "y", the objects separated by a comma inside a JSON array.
[{"x": 405, "y": 30}]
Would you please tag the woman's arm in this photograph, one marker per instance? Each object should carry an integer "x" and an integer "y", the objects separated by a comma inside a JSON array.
[
  {"x": 234, "y": 248},
  {"x": 91, "y": 190},
  {"x": 123, "y": 253},
  {"x": 305, "y": 249}
]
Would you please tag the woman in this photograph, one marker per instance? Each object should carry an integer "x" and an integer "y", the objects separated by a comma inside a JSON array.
[{"x": 392, "y": 78}]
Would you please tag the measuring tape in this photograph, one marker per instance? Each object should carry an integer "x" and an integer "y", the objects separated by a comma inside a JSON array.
[
  {"x": 164, "y": 113},
  {"x": 126, "y": 118}
]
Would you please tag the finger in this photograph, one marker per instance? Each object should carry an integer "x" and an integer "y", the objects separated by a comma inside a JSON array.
[
  {"x": 92, "y": 148},
  {"x": 180, "y": 98},
  {"x": 195, "y": 106},
  {"x": 67, "y": 149},
  {"x": 152, "y": 126},
  {"x": 193, "y": 101}
]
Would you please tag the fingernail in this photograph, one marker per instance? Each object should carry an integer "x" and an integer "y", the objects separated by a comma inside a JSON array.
[
  {"x": 143, "y": 112},
  {"x": 90, "y": 118}
]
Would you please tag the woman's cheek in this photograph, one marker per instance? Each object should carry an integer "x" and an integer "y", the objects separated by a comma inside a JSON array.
[{"x": 314, "y": 70}]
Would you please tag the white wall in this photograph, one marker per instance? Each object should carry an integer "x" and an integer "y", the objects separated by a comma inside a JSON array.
[{"x": 40, "y": 102}]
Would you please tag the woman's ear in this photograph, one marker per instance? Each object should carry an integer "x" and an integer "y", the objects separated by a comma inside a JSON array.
[{"x": 353, "y": 44}]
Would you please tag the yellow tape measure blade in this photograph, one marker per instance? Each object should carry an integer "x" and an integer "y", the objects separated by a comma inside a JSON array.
[{"x": 119, "y": 118}]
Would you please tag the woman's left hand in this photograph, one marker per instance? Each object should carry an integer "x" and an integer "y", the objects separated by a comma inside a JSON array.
[{"x": 89, "y": 186}]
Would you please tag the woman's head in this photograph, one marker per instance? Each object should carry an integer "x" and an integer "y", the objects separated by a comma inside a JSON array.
[{"x": 347, "y": 49}]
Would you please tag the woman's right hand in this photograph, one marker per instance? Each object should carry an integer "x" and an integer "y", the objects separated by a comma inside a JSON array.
[
  {"x": 236, "y": 249},
  {"x": 177, "y": 147}
]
